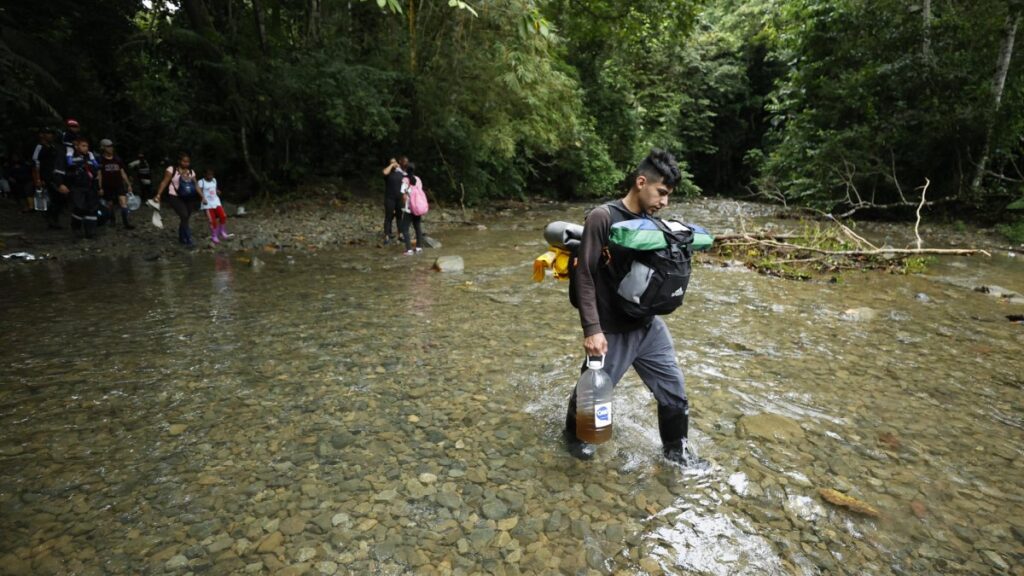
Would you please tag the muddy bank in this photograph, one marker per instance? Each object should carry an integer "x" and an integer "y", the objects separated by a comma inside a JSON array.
[{"x": 312, "y": 223}]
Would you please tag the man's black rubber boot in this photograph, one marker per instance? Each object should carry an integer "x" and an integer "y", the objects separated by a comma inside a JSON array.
[
  {"x": 674, "y": 424},
  {"x": 577, "y": 448}
]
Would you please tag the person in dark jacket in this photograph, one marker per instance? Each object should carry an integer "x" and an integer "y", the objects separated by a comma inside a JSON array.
[
  {"x": 394, "y": 174},
  {"x": 44, "y": 161},
  {"x": 643, "y": 343},
  {"x": 79, "y": 180}
]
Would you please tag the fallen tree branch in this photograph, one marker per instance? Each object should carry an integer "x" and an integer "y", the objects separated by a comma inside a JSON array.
[
  {"x": 759, "y": 236},
  {"x": 876, "y": 251},
  {"x": 917, "y": 224}
]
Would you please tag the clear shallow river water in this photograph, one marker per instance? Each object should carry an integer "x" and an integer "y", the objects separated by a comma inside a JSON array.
[{"x": 356, "y": 413}]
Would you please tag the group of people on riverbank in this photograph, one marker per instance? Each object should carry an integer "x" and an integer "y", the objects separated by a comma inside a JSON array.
[{"x": 63, "y": 173}]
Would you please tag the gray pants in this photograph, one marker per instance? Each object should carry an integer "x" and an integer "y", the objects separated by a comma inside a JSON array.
[{"x": 650, "y": 352}]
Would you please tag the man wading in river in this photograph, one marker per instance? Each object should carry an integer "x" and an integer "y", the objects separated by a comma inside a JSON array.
[{"x": 644, "y": 343}]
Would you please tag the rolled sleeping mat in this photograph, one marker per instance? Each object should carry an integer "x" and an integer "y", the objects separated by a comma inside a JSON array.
[{"x": 563, "y": 234}]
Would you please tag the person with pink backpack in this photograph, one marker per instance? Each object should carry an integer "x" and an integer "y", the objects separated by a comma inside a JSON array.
[{"x": 414, "y": 206}]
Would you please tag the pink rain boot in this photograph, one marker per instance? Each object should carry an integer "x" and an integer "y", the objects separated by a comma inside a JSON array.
[
  {"x": 224, "y": 232},
  {"x": 214, "y": 234}
]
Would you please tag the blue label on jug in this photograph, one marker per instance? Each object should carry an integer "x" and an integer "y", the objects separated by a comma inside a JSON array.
[{"x": 603, "y": 415}]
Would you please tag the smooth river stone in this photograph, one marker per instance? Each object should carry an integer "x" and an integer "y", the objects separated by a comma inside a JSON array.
[{"x": 769, "y": 427}]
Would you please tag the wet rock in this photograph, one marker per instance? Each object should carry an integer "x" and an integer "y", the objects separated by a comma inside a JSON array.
[
  {"x": 305, "y": 554},
  {"x": 997, "y": 292},
  {"x": 176, "y": 563},
  {"x": 326, "y": 567},
  {"x": 922, "y": 297},
  {"x": 769, "y": 426},
  {"x": 272, "y": 543},
  {"x": 596, "y": 560},
  {"x": 480, "y": 538},
  {"x": 449, "y": 264},
  {"x": 596, "y": 492},
  {"x": 176, "y": 429},
  {"x": 514, "y": 499},
  {"x": 450, "y": 500},
  {"x": 919, "y": 509},
  {"x": 427, "y": 478},
  {"x": 293, "y": 525},
  {"x": 221, "y": 543},
  {"x": 495, "y": 509},
  {"x": 204, "y": 530},
  {"x": 651, "y": 566},
  {"x": 859, "y": 314},
  {"x": 196, "y": 551},
  {"x": 431, "y": 242},
  {"x": 385, "y": 495},
  {"x": 995, "y": 559},
  {"x": 342, "y": 440},
  {"x": 340, "y": 519},
  {"x": 418, "y": 490},
  {"x": 322, "y": 523}
]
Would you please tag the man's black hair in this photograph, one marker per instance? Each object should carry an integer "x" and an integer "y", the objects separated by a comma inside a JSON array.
[{"x": 660, "y": 166}]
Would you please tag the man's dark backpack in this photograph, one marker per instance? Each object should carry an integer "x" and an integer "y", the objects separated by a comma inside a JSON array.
[{"x": 647, "y": 259}]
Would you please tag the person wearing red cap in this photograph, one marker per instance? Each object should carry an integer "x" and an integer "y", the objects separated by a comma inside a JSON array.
[{"x": 68, "y": 136}]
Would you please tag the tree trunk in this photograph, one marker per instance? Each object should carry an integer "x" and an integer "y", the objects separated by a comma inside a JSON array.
[
  {"x": 998, "y": 84},
  {"x": 261, "y": 27},
  {"x": 198, "y": 16},
  {"x": 411, "y": 15},
  {"x": 313, "y": 8},
  {"x": 926, "y": 43},
  {"x": 248, "y": 160}
]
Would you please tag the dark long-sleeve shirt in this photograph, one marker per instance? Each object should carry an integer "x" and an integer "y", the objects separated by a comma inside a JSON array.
[{"x": 594, "y": 287}]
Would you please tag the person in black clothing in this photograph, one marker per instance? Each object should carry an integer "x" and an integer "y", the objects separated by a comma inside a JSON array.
[
  {"x": 71, "y": 133},
  {"x": 394, "y": 173},
  {"x": 79, "y": 179},
  {"x": 19, "y": 174},
  {"x": 44, "y": 162},
  {"x": 141, "y": 167},
  {"x": 115, "y": 185},
  {"x": 644, "y": 343}
]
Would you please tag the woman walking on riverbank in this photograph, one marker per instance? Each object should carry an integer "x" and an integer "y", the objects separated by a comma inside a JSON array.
[
  {"x": 411, "y": 186},
  {"x": 182, "y": 195}
]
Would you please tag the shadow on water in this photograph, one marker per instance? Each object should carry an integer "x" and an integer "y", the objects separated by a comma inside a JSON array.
[{"x": 357, "y": 413}]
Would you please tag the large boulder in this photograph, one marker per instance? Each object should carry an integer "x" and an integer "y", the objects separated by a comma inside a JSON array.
[
  {"x": 449, "y": 264},
  {"x": 769, "y": 427}
]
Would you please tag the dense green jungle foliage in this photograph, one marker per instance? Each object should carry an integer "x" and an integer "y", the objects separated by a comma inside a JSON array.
[{"x": 842, "y": 105}]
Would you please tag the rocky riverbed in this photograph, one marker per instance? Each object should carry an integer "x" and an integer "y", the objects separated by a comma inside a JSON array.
[{"x": 347, "y": 410}]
